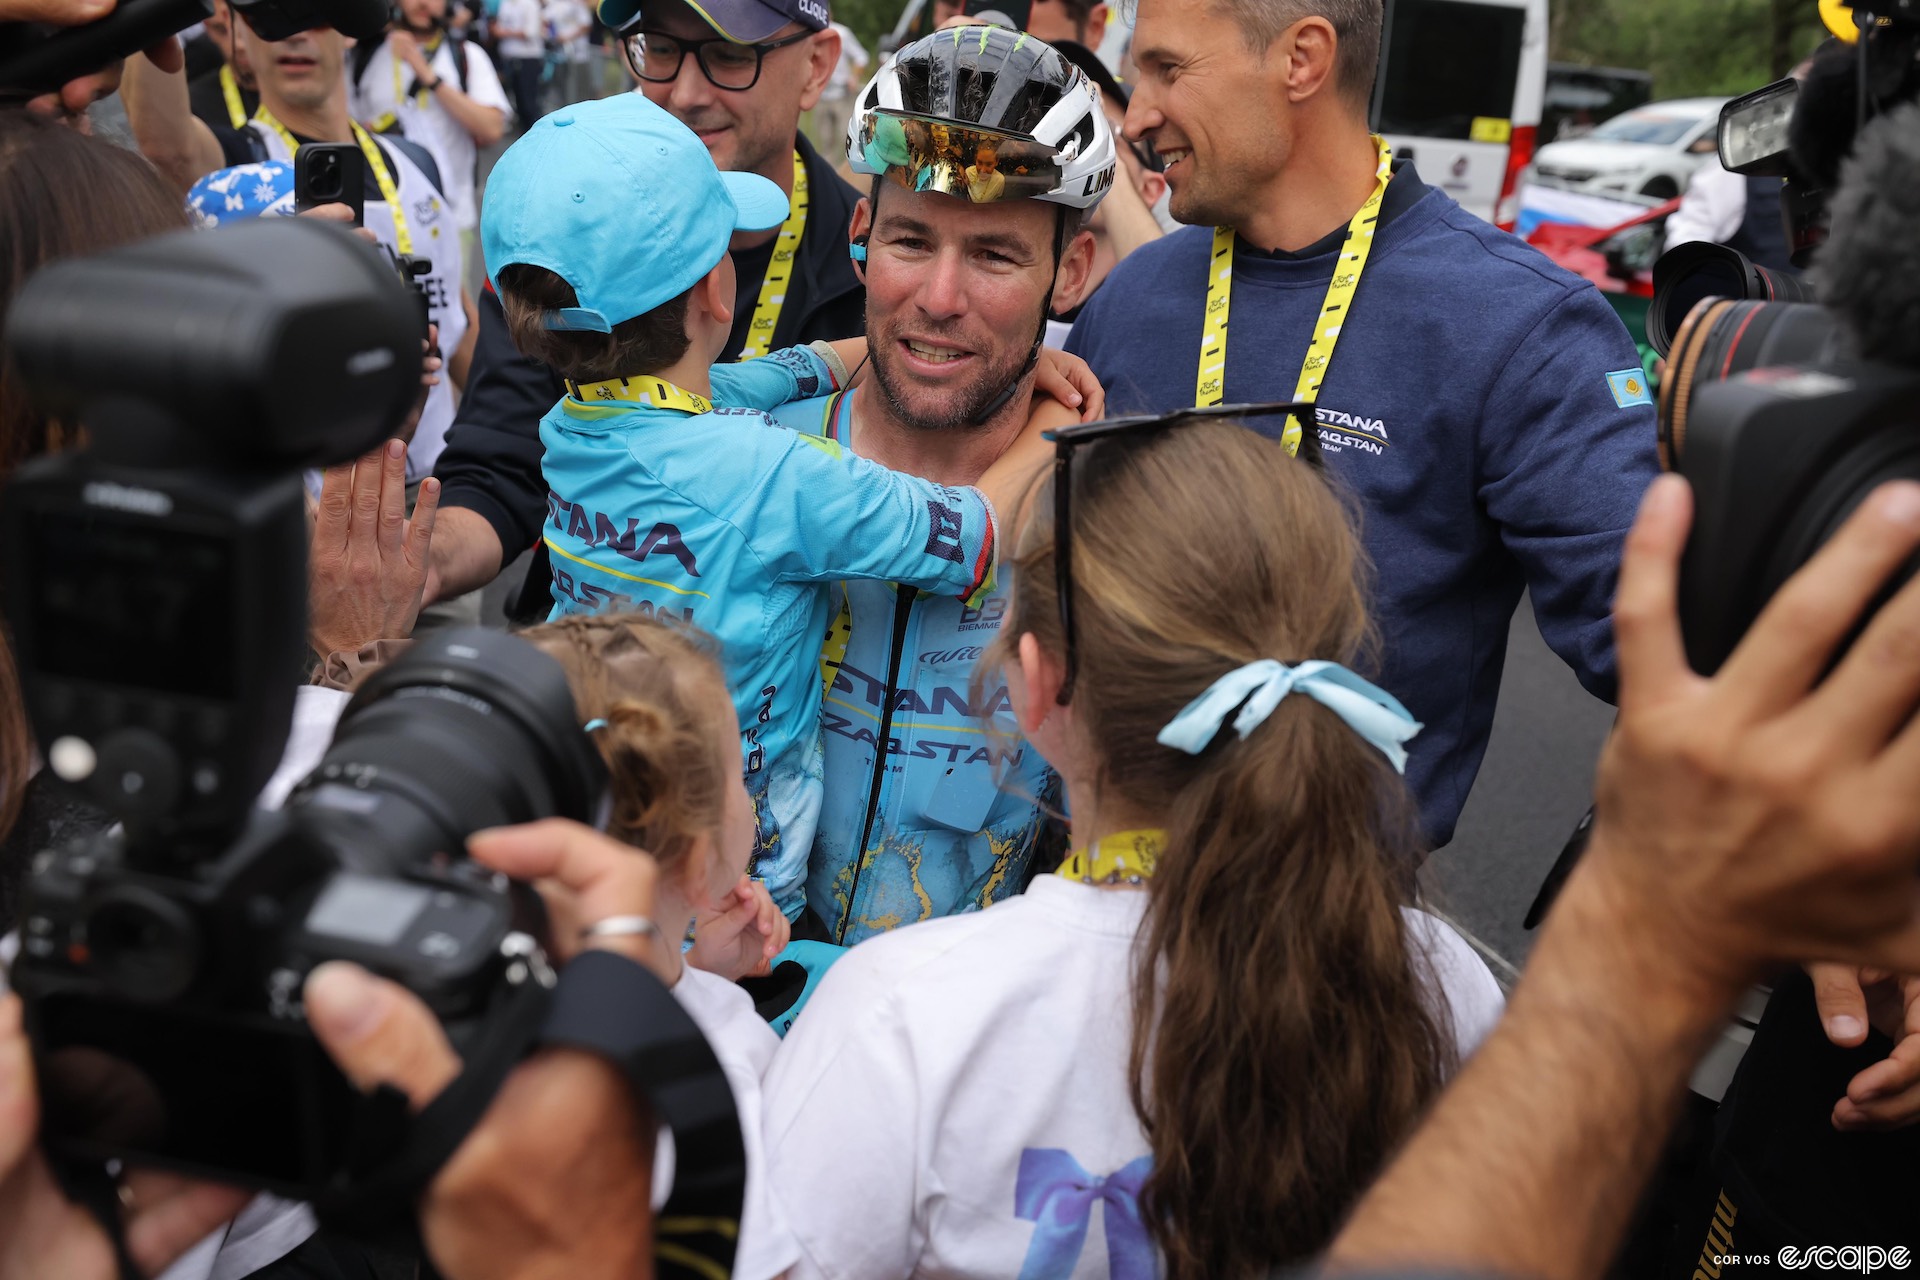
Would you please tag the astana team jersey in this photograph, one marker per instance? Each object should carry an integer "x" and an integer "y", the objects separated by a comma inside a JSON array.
[
  {"x": 725, "y": 520},
  {"x": 436, "y": 239},
  {"x": 934, "y": 809}
]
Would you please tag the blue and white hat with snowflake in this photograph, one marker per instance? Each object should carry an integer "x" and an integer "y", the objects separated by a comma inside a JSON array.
[{"x": 243, "y": 191}]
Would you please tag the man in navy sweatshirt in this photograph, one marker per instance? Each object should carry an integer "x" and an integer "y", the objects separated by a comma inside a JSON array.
[{"x": 1487, "y": 407}]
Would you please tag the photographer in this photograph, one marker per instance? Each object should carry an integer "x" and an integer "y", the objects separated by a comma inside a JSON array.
[
  {"x": 303, "y": 98},
  {"x": 1780, "y": 787},
  {"x": 1765, "y": 815},
  {"x": 224, "y": 525},
  {"x": 554, "y": 1182}
]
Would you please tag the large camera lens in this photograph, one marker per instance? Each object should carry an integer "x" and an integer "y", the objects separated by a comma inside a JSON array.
[
  {"x": 1722, "y": 337},
  {"x": 1688, "y": 275},
  {"x": 470, "y": 729}
]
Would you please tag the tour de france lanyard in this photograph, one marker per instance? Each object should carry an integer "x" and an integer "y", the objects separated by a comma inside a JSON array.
[
  {"x": 648, "y": 390},
  {"x": 1125, "y": 857},
  {"x": 1210, "y": 388},
  {"x": 230, "y": 87},
  {"x": 402, "y": 238},
  {"x": 421, "y": 92},
  {"x": 773, "y": 288}
]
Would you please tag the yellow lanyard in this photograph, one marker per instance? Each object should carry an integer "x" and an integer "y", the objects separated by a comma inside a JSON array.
[
  {"x": 1210, "y": 388},
  {"x": 421, "y": 94},
  {"x": 402, "y": 238},
  {"x": 1125, "y": 857},
  {"x": 773, "y": 289},
  {"x": 656, "y": 392},
  {"x": 388, "y": 120},
  {"x": 236, "y": 109}
]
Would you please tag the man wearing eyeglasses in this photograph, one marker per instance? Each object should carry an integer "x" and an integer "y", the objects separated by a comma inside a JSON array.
[{"x": 739, "y": 73}]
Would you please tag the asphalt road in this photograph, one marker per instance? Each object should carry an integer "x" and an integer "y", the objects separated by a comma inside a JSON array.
[{"x": 1533, "y": 787}]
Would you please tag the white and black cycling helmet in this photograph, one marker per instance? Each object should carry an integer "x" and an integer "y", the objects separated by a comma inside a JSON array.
[{"x": 984, "y": 113}]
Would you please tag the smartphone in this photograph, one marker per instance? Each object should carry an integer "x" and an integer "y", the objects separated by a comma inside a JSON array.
[
  {"x": 1017, "y": 10},
  {"x": 330, "y": 173}
]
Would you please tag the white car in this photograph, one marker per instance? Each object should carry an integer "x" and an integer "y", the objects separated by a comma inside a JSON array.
[{"x": 1649, "y": 151}]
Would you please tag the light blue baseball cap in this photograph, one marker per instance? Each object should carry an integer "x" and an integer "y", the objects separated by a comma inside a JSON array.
[{"x": 621, "y": 201}]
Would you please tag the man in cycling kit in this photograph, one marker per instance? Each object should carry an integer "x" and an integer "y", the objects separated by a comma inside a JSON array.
[{"x": 944, "y": 819}]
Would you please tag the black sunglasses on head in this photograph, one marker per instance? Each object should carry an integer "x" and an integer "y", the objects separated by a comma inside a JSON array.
[{"x": 1067, "y": 439}]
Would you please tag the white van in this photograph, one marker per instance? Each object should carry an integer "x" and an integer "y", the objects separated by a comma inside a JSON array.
[{"x": 1459, "y": 92}]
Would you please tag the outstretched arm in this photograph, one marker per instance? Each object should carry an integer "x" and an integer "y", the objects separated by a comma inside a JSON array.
[
  {"x": 1764, "y": 815},
  {"x": 178, "y": 143}
]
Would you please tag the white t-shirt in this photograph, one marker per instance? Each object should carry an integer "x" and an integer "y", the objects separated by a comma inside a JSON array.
[
  {"x": 521, "y": 15},
  {"x": 937, "y": 1062},
  {"x": 745, "y": 1045},
  {"x": 378, "y": 93},
  {"x": 436, "y": 238},
  {"x": 568, "y": 24},
  {"x": 1713, "y": 208}
]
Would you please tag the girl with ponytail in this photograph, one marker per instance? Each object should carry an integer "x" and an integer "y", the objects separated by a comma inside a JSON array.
[{"x": 1223, "y": 1014}]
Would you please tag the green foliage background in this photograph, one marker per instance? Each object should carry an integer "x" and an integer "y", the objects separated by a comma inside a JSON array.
[
  {"x": 1693, "y": 47},
  {"x": 870, "y": 19}
]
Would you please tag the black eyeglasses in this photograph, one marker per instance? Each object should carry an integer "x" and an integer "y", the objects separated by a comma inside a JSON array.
[
  {"x": 1068, "y": 439},
  {"x": 656, "y": 56}
]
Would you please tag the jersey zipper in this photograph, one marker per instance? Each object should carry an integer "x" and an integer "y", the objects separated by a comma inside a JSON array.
[{"x": 902, "y": 614}]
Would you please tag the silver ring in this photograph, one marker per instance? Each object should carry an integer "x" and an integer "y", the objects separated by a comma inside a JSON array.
[{"x": 621, "y": 927}]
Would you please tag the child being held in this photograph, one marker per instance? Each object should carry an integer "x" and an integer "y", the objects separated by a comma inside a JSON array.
[{"x": 670, "y": 490}]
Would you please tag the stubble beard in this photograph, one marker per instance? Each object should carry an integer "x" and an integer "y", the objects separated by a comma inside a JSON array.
[{"x": 963, "y": 411}]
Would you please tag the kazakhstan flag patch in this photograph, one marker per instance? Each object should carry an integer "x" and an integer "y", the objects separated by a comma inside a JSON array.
[{"x": 1629, "y": 387}]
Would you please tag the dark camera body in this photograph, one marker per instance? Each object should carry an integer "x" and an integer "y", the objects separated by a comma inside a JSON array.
[
  {"x": 175, "y": 972},
  {"x": 1778, "y": 459},
  {"x": 222, "y": 1077},
  {"x": 1782, "y": 413},
  {"x": 156, "y": 590}
]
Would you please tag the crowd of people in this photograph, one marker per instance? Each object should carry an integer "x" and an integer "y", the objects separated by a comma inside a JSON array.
[{"x": 1027, "y": 804}]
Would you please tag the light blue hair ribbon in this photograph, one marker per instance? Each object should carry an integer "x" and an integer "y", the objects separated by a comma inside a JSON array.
[
  {"x": 591, "y": 725},
  {"x": 1259, "y": 687}
]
